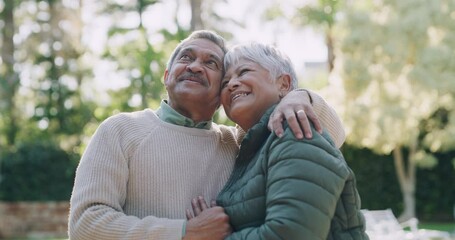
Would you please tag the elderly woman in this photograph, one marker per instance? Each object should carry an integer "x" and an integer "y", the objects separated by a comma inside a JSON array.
[{"x": 281, "y": 188}]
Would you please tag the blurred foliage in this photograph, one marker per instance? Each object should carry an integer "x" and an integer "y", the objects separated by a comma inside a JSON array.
[
  {"x": 136, "y": 59},
  {"x": 435, "y": 192},
  {"x": 47, "y": 58},
  {"x": 322, "y": 15},
  {"x": 396, "y": 81},
  {"x": 378, "y": 185},
  {"x": 397, "y": 78},
  {"x": 9, "y": 79},
  {"x": 376, "y": 179},
  {"x": 36, "y": 171}
]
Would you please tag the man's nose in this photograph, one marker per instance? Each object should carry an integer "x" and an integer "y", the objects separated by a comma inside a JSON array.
[{"x": 194, "y": 66}]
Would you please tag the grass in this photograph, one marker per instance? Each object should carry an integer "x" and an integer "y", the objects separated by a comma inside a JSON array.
[
  {"x": 447, "y": 227},
  {"x": 35, "y": 238}
]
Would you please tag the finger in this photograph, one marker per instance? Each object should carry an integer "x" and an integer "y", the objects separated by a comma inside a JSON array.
[
  {"x": 189, "y": 215},
  {"x": 294, "y": 125},
  {"x": 273, "y": 117},
  {"x": 314, "y": 119},
  {"x": 196, "y": 208},
  {"x": 229, "y": 230},
  {"x": 275, "y": 123},
  {"x": 202, "y": 203},
  {"x": 213, "y": 203},
  {"x": 278, "y": 128},
  {"x": 304, "y": 123}
]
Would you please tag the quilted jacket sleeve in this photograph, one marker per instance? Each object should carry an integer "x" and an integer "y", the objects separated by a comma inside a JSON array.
[{"x": 304, "y": 180}]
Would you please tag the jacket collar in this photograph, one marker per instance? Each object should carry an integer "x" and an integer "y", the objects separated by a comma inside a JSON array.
[{"x": 256, "y": 136}]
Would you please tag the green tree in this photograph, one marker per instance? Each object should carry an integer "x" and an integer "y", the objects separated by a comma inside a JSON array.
[
  {"x": 9, "y": 79},
  {"x": 138, "y": 60},
  {"x": 141, "y": 62},
  {"x": 43, "y": 72},
  {"x": 398, "y": 68},
  {"x": 196, "y": 15},
  {"x": 322, "y": 15},
  {"x": 52, "y": 52},
  {"x": 212, "y": 15}
]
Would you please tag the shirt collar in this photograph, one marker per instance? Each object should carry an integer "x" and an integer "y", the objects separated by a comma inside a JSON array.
[{"x": 169, "y": 115}]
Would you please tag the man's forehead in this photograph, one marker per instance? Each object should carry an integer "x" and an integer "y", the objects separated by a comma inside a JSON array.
[{"x": 202, "y": 44}]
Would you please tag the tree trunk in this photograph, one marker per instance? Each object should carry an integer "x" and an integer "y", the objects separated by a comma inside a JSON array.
[
  {"x": 406, "y": 179},
  {"x": 11, "y": 83},
  {"x": 196, "y": 12},
  {"x": 409, "y": 203},
  {"x": 330, "y": 50}
]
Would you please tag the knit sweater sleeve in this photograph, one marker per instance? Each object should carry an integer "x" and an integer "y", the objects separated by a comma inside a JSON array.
[
  {"x": 329, "y": 118},
  {"x": 100, "y": 190}
]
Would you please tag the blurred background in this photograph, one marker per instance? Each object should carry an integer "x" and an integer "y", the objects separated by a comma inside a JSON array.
[{"x": 386, "y": 66}]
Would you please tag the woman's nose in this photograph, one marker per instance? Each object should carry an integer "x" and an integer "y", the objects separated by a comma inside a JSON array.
[{"x": 233, "y": 84}]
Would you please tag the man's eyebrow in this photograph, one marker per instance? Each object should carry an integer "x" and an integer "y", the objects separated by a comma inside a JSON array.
[
  {"x": 211, "y": 55},
  {"x": 185, "y": 50},
  {"x": 216, "y": 58}
]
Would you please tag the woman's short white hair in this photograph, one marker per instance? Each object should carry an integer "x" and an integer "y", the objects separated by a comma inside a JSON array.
[{"x": 267, "y": 56}]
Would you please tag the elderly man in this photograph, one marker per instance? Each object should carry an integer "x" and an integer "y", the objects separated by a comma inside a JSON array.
[{"x": 141, "y": 169}]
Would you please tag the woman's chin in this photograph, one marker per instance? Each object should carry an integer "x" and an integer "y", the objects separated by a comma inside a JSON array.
[{"x": 238, "y": 116}]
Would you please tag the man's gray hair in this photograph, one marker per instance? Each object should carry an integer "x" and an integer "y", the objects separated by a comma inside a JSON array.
[
  {"x": 200, "y": 34},
  {"x": 267, "y": 56}
]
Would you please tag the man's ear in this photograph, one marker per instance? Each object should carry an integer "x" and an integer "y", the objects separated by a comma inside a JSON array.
[
  {"x": 284, "y": 83},
  {"x": 166, "y": 74}
]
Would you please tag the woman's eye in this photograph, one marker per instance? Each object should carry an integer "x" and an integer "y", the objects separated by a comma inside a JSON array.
[
  {"x": 224, "y": 84},
  {"x": 243, "y": 71}
]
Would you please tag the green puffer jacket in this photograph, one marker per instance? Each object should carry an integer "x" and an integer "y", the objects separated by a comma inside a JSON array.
[{"x": 285, "y": 188}]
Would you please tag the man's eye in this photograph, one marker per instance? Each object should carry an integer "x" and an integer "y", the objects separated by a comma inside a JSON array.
[
  {"x": 212, "y": 64},
  {"x": 184, "y": 57}
]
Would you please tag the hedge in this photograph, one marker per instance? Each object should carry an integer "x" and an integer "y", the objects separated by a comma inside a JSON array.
[
  {"x": 36, "y": 172},
  {"x": 379, "y": 189},
  {"x": 41, "y": 172}
]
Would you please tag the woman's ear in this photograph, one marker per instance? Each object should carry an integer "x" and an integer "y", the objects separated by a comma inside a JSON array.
[{"x": 284, "y": 84}]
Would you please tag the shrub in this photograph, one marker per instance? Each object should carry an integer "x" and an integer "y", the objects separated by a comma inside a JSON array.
[
  {"x": 36, "y": 172},
  {"x": 379, "y": 189}
]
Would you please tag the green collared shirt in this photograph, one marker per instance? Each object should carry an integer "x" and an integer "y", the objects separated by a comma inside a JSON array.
[{"x": 169, "y": 115}]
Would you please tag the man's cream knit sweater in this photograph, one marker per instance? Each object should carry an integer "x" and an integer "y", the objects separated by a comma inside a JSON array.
[{"x": 139, "y": 174}]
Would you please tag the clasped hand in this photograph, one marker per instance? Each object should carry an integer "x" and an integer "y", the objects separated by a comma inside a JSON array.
[{"x": 206, "y": 222}]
